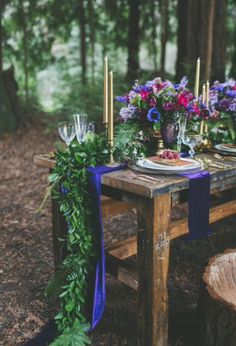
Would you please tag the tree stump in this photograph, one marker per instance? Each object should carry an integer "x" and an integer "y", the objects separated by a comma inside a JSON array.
[{"x": 217, "y": 305}]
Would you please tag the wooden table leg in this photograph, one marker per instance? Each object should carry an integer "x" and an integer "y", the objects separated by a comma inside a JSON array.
[{"x": 153, "y": 261}]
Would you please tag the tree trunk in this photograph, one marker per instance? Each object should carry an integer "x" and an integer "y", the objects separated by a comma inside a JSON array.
[
  {"x": 187, "y": 38},
  {"x": 233, "y": 59},
  {"x": 164, "y": 33},
  {"x": 92, "y": 36},
  {"x": 133, "y": 39},
  {"x": 82, "y": 26},
  {"x": 201, "y": 31},
  {"x": 217, "y": 304},
  {"x": 219, "y": 41},
  {"x": 153, "y": 33},
  {"x": 25, "y": 52},
  {"x": 1, "y": 39},
  {"x": 209, "y": 38}
]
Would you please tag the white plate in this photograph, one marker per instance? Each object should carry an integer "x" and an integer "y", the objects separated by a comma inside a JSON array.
[
  {"x": 221, "y": 147},
  {"x": 145, "y": 163}
]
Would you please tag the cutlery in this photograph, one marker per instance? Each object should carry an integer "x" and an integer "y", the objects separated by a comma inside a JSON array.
[{"x": 222, "y": 158}]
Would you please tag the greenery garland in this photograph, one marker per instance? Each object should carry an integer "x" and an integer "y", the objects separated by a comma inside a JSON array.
[
  {"x": 69, "y": 186},
  {"x": 71, "y": 282}
]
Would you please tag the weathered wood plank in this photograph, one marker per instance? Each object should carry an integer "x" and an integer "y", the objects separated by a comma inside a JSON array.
[
  {"x": 153, "y": 263},
  {"x": 123, "y": 271},
  {"x": 123, "y": 249},
  {"x": 128, "y": 247},
  {"x": 123, "y": 180},
  {"x": 113, "y": 207}
]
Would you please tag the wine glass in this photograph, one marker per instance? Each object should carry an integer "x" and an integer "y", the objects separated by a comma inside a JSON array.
[
  {"x": 182, "y": 121},
  {"x": 192, "y": 139},
  {"x": 91, "y": 127},
  {"x": 66, "y": 131},
  {"x": 80, "y": 126}
]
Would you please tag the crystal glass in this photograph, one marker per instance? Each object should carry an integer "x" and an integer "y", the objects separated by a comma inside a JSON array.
[
  {"x": 80, "y": 126},
  {"x": 66, "y": 131},
  {"x": 192, "y": 140},
  {"x": 182, "y": 121},
  {"x": 91, "y": 127}
]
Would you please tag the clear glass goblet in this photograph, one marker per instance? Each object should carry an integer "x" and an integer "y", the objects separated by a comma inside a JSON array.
[
  {"x": 80, "y": 126},
  {"x": 182, "y": 121},
  {"x": 192, "y": 140},
  {"x": 66, "y": 131}
]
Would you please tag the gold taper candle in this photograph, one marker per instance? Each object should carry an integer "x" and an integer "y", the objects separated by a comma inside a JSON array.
[
  {"x": 204, "y": 93},
  {"x": 207, "y": 93},
  {"x": 203, "y": 101},
  {"x": 207, "y": 103},
  {"x": 105, "y": 93},
  {"x": 110, "y": 120},
  {"x": 197, "y": 78}
]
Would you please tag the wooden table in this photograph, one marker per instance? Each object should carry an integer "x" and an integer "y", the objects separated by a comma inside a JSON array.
[{"x": 154, "y": 201}]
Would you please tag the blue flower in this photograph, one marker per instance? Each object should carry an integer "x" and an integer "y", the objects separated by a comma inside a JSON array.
[
  {"x": 123, "y": 99},
  {"x": 231, "y": 93},
  {"x": 153, "y": 115},
  {"x": 64, "y": 190}
]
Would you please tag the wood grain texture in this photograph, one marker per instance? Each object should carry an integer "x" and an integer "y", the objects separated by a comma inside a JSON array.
[
  {"x": 128, "y": 247},
  {"x": 124, "y": 179},
  {"x": 124, "y": 271},
  {"x": 217, "y": 304},
  {"x": 153, "y": 263}
]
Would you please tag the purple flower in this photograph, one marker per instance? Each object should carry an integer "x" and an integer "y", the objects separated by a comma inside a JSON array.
[
  {"x": 132, "y": 95},
  {"x": 231, "y": 93},
  {"x": 153, "y": 115},
  {"x": 123, "y": 99},
  {"x": 182, "y": 85},
  {"x": 129, "y": 112},
  {"x": 224, "y": 104},
  {"x": 232, "y": 107}
]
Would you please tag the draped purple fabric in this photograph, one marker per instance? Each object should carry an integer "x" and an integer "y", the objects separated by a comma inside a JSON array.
[
  {"x": 199, "y": 204},
  {"x": 99, "y": 295}
]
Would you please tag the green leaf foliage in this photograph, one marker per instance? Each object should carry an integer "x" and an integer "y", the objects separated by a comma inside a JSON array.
[{"x": 70, "y": 283}]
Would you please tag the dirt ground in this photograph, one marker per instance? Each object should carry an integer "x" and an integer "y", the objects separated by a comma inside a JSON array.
[{"x": 26, "y": 255}]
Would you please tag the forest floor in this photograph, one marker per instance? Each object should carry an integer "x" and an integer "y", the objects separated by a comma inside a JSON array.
[{"x": 26, "y": 255}]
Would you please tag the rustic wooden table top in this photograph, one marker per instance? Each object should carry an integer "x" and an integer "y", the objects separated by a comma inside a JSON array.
[{"x": 139, "y": 183}]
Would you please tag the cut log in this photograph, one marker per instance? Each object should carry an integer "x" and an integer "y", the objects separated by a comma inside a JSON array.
[{"x": 217, "y": 305}]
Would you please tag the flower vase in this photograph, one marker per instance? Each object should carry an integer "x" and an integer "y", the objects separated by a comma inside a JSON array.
[{"x": 169, "y": 132}]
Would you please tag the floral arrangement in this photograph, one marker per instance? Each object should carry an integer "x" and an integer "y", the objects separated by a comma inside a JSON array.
[
  {"x": 223, "y": 96},
  {"x": 223, "y": 101},
  {"x": 158, "y": 101}
]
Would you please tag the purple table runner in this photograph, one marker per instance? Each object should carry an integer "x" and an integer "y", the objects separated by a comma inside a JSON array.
[
  {"x": 199, "y": 204},
  {"x": 99, "y": 296},
  {"x": 198, "y": 222}
]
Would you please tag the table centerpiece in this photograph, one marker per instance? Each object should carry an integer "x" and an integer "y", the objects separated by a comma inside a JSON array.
[{"x": 155, "y": 107}]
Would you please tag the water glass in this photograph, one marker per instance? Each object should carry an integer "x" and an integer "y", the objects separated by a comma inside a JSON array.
[
  {"x": 80, "y": 126},
  {"x": 192, "y": 140},
  {"x": 66, "y": 131},
  {"x": 182, "y": 121}
]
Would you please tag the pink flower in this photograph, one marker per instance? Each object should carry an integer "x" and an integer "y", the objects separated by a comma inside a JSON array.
[
  {"x": 152, "y": 102},
  {"x": 182, "y": 100},
  {"x": 196, "y": 109},
  {"x": 145, "y": 95},
  {"x": 157, "y": 87},
  {"x": 169, "y": 106}
]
